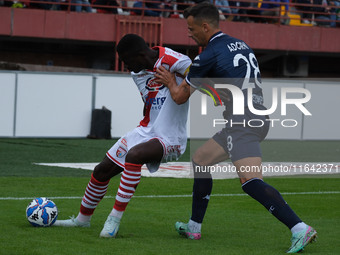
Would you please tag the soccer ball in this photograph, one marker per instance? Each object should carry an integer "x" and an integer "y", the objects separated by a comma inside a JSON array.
[{"x": 42, "y": 212}]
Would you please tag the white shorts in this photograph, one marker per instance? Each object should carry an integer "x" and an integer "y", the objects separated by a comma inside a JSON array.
[{"x": 118, "y": 151}]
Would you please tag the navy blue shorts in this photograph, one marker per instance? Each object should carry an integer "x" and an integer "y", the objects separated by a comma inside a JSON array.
[{"x": 242, "y": 135}]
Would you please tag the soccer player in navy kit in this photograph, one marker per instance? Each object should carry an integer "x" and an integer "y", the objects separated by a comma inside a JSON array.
[{"x": 233, "y": 60}]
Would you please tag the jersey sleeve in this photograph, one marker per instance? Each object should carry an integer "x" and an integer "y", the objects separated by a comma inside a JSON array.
[
  {"x": 181, "y": 66},
  {"x": 140, "y": 84},
  {"x": 200, "y": 68}
]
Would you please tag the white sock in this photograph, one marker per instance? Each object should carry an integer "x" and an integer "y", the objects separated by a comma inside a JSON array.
[
  {"x": 194, "y": 226},
  {"x": 298, "y": 227},
  {"x": 117, "y": 214},
  {"x": 83, "y": 218}
]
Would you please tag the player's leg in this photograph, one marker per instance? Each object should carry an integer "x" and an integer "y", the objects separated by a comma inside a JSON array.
[
  {"x": 94, "y": 192},
  {"x": 150, "y": 151},
  {"x": 265, "y": 194},
  {"x": 250, "y": 173},
  {"x": 208, "y": 154},
  {"x": 106, "y": 169}
]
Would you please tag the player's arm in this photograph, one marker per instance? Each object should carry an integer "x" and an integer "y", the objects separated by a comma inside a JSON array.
[{"x": 179, "y": 93}]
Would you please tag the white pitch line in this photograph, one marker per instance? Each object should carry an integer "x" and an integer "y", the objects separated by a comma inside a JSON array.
[{"x": 180, "y": 196}]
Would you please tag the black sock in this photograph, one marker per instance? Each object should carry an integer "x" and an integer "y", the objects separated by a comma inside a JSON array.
[
  {"x": 201, "y": 193},
  {"x": 272, "y": 200}
]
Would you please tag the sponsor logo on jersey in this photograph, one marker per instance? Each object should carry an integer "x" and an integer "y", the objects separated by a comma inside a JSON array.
[
  {"x": 152, "y": 85},
  {"x": 155, "y": 102}
]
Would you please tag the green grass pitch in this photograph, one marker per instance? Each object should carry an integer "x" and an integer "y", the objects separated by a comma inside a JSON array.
[{"x": 234, "y": 224}]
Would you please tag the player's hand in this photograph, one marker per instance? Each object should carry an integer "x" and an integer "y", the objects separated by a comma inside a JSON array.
[{"x": 165, "y": 77}]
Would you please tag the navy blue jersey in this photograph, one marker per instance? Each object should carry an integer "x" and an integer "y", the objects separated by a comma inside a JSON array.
[{"x": 231, "y": 61}]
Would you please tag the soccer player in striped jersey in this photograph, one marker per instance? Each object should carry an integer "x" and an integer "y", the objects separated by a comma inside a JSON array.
[
  {"x": 160, "y": 137},
  {"x": 229, "y": 59}
]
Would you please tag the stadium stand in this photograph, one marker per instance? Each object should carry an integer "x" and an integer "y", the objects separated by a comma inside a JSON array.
[
  {"x": 55, "y": 35},
  {"x": 249, "y": 10}
]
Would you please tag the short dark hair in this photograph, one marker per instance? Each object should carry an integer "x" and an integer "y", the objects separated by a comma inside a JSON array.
[
  {"x": 131, "y": 43},
  {"x": 203, "y": 11}
]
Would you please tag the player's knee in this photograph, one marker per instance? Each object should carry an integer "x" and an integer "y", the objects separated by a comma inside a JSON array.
[
  {"x": 99, "y": 169},
  {"x": 134, "y": 155},
  {"x": 199, "y": 157},
  {"x": 105, "y": 170},
  {"x": 100, "y": 173},
  {"x": 244, "y": 180}
]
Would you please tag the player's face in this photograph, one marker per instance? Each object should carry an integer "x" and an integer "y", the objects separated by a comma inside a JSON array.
[
  {"x": 196, "y": 31},
  {"x": 132, "y": 62}
]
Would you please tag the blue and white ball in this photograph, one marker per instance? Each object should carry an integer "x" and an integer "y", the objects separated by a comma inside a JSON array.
[{"x": 42, "y": 212}]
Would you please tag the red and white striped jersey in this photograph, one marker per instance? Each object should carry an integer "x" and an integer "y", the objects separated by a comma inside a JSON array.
[{"x": 163, "y": 117}]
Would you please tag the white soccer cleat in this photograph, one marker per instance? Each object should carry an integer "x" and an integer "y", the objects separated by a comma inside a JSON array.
[
  {"x": 72, "y": 222},
  {"x": 111, "y": 227}
]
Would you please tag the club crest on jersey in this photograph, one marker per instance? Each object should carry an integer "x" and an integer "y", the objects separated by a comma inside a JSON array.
[
  {"x": 152, "y": 85},
  {"x": 122, "y": 149},
  {"x": 120, "y": 152}
]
